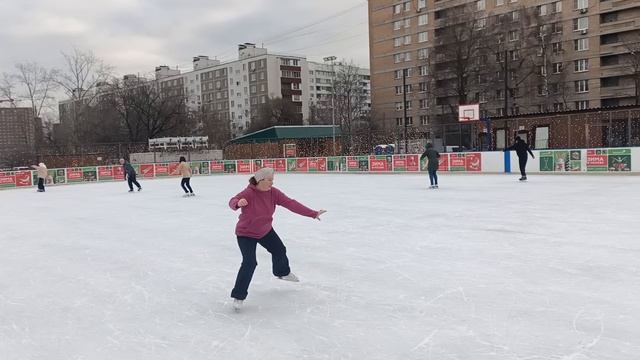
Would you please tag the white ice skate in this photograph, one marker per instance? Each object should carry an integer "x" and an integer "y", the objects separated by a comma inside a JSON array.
[
  {"x": 290, "y": 277},
  {"x": 237, "y": 304}
]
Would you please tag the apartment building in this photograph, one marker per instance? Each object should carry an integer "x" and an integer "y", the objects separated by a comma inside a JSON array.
[
  {"x": 525, "y": 56},
  {"x": 17, "y": 129}
]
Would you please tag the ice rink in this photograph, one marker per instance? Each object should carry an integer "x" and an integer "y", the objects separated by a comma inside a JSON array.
[{"x": 483, "y": 268}]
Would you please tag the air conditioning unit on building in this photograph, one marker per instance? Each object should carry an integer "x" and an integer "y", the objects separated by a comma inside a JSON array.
[
  {"x": 584, "y": 32},
  {"x": 583, "y": 10}
]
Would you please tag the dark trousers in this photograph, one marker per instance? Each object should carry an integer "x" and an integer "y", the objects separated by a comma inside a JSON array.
[
  {"x": 523, "y": 165},
  {"x": 247, "y": 245},
  {"x": 433, "y": 177},
  {"x": 41, "y": 184},
  {"x": 186, "y": 186},
  {"x": 132, "y": 180}
]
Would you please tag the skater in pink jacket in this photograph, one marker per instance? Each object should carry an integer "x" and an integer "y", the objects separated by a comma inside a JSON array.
[{"x": 258, "y": 203}]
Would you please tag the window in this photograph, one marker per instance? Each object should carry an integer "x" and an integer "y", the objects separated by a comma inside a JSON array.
[
  {"x": 542, "y": 137},
  {"x": 422, "y": 37},
  {"x": 609, "y": 60},
  {"x": 513, "y": 35},
  {"x": 408, "y": 88},
  {"x": 557, "y": 68},
  {"x": 295, "y": 86},
  {"x": 609, "y": 82},
  {"x": 543, "y": 70},
  {"x": 500, "y": 111},
  {"x": 581, "y": 44},
  {"x": 514, "y": 55},
  {"x": 580, "y": 24},
  {"x": 397, "y": 9},
  {"x": 515, "y": 16},
  {"x": 407, "y": 56},
  {"x": 515, "y": 110},
  {"x": 480, "y": 5},
  {"x": 407, "y": 23},
  {"x": 398, "y": 90},
  {"x": 397, "y": 74},
  {"x": 423, "y": 70},
  {"x": 582, "y": 105},
  {"x": 407, "y": 40},
  {"x": 407, "y": 6},
  {"x": 423, "y": 86},
  {"x": 398, "y": 58},
  {"x": 582, "y": 86},
  {"x": 500, "y": 94},
  {"x": 481, "y": 24},
  {"x": 399, "y": 122},
  {"x": 408, "y": 104},
  {"x": 499, "y": 2},
  {"x": 609, "y": 39},
  {"x": 580, "y": 4},
  {"x": 558, "y": 106},
  {"x": 556, "y": 28},
  {"x": 554, "y": 88},
  {"x": 541, "y": 91},
  {"x": 397, "y": 25},
  {"x": 542, "y": 10},
  {"x": 423, "y": 20},
  {"x": 423, "y": 120},
  {"x": 423, "y": 54},
  {"x": 296, "y": 98},
  {"x": 397, "y": 42},
  {"x": 581, "y": 65},
  {"x": 499, "y": 57},
  {"x": 609, "y": 17},
  {"x": 556, "y": 48},
  {"x": 422, "y": 4},
  {"x": 557, "y": 7}
]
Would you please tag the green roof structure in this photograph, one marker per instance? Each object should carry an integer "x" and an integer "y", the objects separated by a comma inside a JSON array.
[{"x": 276, "y": 133}]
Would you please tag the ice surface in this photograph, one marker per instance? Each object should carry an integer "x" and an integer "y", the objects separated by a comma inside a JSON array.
[{"x": 483, "y": 268}]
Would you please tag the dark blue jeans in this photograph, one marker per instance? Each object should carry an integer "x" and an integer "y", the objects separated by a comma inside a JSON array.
[
  {"x": 132, "y": 180},
  {"x": 433, "y": 177},
  {"x": 523, "y": 165},
  {"x": 247, "y": 245},
  {"x": 186, "y": 186}
]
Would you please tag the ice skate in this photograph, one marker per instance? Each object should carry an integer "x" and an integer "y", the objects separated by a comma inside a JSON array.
[
  {"x": 237, "y": 304},
  {"x": 192, "y": 194},
  {"x": 185, "y": 195},
  {"x": 130, "y": 191},
  {"x": 291, "y": 277},
  {"x": 435, "y": 187},
  {"x": 524, "y": 178},
  {"x": 139, "y": 189}
]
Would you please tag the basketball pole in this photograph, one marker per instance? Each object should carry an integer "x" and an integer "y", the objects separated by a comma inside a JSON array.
[{"x": 404, "y": 106}]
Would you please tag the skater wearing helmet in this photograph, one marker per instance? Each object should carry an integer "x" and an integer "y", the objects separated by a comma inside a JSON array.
[
  {"x": 185, "y": 170},
  {"x": 433, "y": 156},
  {"x": 258, "y": 203},
  {"x": 521, "y": 148}
]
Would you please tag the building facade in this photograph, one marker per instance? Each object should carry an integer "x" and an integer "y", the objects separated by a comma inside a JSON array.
[
  {"x": 510, "y": 56},
  {"x": 17, "y": 130}
]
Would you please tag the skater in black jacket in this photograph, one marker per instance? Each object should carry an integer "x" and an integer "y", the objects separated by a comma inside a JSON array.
[
  {"x": 433, "y": 156},
  {"x": 130, "y": 175},
  {"x": 521, "y": 148}
]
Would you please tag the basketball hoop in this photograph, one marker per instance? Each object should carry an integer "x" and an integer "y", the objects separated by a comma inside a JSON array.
[
  {"x": 469, "y": 112},
  {"x": 464, "y": 118}
]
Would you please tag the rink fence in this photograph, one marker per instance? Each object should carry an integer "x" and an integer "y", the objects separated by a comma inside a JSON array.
[{"x": 547, "y": 161}]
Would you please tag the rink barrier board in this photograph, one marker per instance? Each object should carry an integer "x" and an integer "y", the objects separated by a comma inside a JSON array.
[{"x": 611, "y": 160}]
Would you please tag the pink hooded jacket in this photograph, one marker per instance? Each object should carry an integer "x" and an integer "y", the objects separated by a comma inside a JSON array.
[{"x": 256, "y": 218}]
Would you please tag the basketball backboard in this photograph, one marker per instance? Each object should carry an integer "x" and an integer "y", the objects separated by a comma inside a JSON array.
[{"x": 469, "y": 112}]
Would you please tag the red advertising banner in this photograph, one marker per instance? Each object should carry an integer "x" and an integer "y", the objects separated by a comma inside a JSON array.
[
  {"x": 172, "y": 168},
  {"x": 118, "y": 173},
  {"x": 457, "y": 162},
  {"x": 413, "y": 162},
  {"x": 474, "y": 161},
  {"x": 244, "y": 166},
  {"x": 146, "y": 170},
  {"x": 597, "y": 160},
  {"x": 352, "y": 163},
  {"x": 281, "y": 165},
  {"x": 399, "y": 163},
  {"x": 302, "y": 164},
  {"x": 443, "y": 162},
  {"x": 257, "y": 165},
  {"x": 74, "y": 175},
  {"x": 7, "y": 180},
  {"x": 216, "y": 166},
  {"x": 322, "y": 164},
  {"x": 271, "y": 163},
  {"x": 161, "y": 169},
  {"x": 105, "y": 173},
  {"x": 379, "y": 163},
  {"x": 24, "y": 178}
]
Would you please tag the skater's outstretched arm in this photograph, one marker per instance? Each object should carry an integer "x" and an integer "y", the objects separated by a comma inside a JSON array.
[
  {"x": 294, "y": 206},
  {"x": 529, "y": 150}
]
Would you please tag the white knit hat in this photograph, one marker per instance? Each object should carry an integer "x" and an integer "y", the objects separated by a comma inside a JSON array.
[{"x": 263, "y": 173}]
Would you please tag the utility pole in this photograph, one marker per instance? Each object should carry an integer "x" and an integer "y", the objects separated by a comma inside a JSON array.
[
  {"x": 404, "y": 107},
  {"x": 506, "y": 82},
  {"x": 333, "y": 99}
]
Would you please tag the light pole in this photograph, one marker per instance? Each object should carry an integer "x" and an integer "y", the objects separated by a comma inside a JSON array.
[{"x": 333, "y": 105}]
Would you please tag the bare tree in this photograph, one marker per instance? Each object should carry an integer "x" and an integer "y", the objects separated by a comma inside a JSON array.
[
  {"x": 7, "y": 86},
  {"x": 82, "y": 74},
  {"x": 275, "y": 111},
  {"x": 632, "y": 59}
]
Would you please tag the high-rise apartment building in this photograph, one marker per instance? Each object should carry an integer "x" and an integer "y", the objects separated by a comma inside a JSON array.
[
  {"x": 17, "y": 129},
  {"x": 510, "y": 56}
]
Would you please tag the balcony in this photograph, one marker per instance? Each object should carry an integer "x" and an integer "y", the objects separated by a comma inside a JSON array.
[
  {"x": 618, "y": 91},
  {"x": 618, "y": 5},
  {"x": 619, "y": 26}
]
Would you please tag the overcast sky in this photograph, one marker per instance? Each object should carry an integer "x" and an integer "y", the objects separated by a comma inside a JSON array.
[{"x": 137, "y": 35}]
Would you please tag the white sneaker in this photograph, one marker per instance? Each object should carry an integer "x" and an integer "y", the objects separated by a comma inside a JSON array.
[
  {"x": 290, "y": 277},
  {"x": 237, "y": 304}
]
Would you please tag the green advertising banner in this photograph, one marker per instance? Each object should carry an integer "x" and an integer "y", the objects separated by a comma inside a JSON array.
[
  {"x": 229, "y": 166},
  {"x": 199, "y": 167},
  {"x": 619, "y": 159},
  {"x": 561, "y": 160},
  {"x": 357, "y": 163},
  {"x": 336, "y": 163}
]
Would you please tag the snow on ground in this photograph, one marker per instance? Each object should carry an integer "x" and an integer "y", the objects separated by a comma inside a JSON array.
[{"x": 483, "y": 268}]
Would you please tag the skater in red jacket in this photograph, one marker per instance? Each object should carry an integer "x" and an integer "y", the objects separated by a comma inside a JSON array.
[{"x": 258, "y": 203}]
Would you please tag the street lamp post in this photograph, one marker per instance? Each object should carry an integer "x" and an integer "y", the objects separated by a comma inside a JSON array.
[{"x": 333, "y": 105}]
